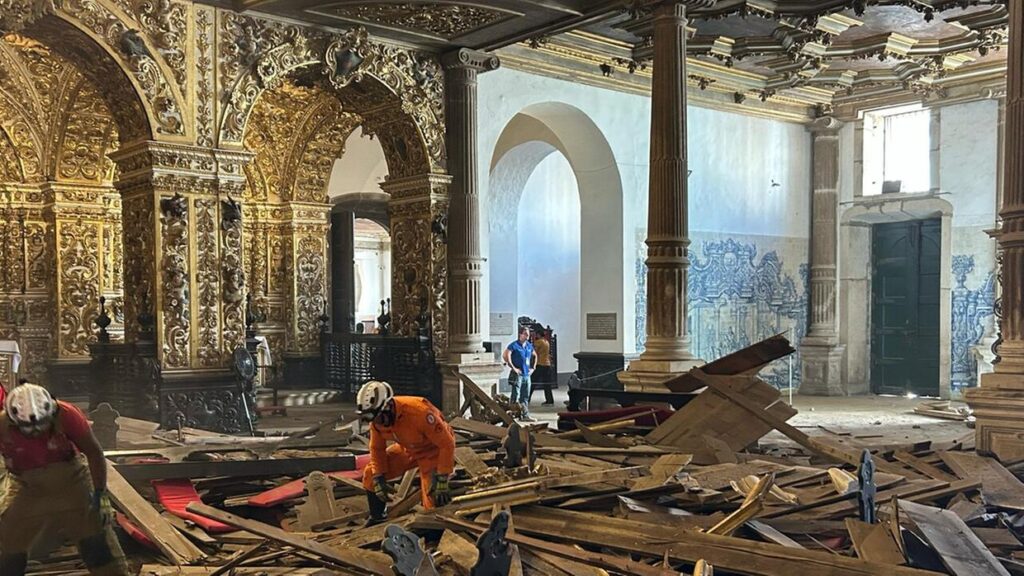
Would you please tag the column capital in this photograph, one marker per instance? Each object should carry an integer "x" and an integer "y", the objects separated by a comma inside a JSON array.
[
  {"x": 152, "y": 162},
  {"x": 475, "y": 60},
  {"x": 825, "y": 125}
]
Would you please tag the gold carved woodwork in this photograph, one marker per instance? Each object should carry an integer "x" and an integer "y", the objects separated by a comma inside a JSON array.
[
  {"x": 207, "y": 274},
  {"x": 418, "y": 212},
  {"x": 79, "y": 245},
  {"x": 442, "y": 20},
  {"x": 175, "y": 318},
  {"x": 15, "y": 15},
  {"x": 233, "y": 276},
  {"x": 145, "y": 39}
]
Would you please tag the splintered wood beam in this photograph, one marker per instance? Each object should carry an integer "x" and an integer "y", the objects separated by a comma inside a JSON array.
[
  {"x": 824, "y": 449},
  {"x": 172, "y": 543},
  {"x": 604, "y": 561},
  {"x": 960, "y": 549},
  {"x": 732, "y": 555},
  {"x": 375, "y": 563},
  {"x": 484, "y": 398},
  {"x": 752, "y": 506}
]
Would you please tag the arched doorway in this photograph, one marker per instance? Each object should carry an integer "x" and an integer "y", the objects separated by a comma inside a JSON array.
[
  {"x": 360, "y": 236},
  {"x": 66, "y": 103},
  {"x": 299, "y": 126},
  {"x": 545, "y": 152}
]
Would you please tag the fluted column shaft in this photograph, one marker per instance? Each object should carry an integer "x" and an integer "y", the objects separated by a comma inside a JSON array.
[
  {"x": 824, "y": 245},
  {"x": 999, "y": 401},
  {"x": 667, "y": 230},
  {"x": 1011, "y": 234},
  {"x": 465, "y": 273}
]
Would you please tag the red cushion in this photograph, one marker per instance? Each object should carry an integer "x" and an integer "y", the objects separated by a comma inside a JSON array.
[
  {"x": 134, "y": 531},
  {"x": 598, "y": 416},
  {"x": 176, "y": 494},
  {"x": 296, "y": 488}
]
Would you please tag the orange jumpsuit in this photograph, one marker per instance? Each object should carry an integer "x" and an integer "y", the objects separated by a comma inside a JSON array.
[{"x": 422, "y": 440}]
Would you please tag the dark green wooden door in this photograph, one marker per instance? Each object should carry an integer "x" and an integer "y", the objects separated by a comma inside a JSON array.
[{"x": 906, "y": 260}]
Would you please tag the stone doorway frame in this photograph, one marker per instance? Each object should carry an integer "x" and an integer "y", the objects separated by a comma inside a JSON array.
[{"x": 855, "y": 269}]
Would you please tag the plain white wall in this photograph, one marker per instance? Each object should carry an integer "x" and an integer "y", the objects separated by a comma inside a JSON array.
[
  {"x": 549, "y": 265},
  {"x": 361, "y": 168}
]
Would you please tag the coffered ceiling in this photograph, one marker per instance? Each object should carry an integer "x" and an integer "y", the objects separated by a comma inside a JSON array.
[{"x": 797, "y": 53}]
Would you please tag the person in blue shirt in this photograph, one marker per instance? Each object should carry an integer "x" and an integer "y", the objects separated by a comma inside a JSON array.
[{"x": 521, "y": 358}]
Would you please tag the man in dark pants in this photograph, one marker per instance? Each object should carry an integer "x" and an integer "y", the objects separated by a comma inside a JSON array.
[{"x": 543, "y": 375}]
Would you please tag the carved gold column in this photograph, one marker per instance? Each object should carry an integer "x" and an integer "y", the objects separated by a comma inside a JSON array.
[
  {"x": 820, "y": 352},
  {"x": 998, "y": 402},
  {"x": 85, "y": 267},
  {"x": 26, "y": 270},
  {"x": 419, "y": 254},
  {"x": 668, "y": 349},
  {"x": 183, "y": 251},
  {"x": 461, "y": 69},
  {"x": 304, "y": 246}
]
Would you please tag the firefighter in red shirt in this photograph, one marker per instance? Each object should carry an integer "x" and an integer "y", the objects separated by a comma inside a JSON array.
[
  {"x": 46, "y": 445},
  {"x": 422, "y": 439}
]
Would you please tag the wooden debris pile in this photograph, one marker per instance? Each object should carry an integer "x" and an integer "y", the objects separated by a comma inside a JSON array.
[{"x": 701, "y": 493}]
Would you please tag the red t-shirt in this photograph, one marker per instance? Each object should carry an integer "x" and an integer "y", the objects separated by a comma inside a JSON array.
[{"x": 22, "y": 453}]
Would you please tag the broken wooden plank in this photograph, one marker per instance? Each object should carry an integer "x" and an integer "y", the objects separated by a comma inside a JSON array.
[
  {"x": 470, "y": 460},
  {"x": 371, "y": 562},
  {"x": 749, "y": 360},
  {"x": 999, "y": 487},
  {"x": 484, "y": 398},
  {"x": 734, "y": 555},
  {"x": 874, "y": 543},
  {"x": 923, "y": 467},
  {"x": 961, "y": 551},
  {"x": 167, "y": 538}
]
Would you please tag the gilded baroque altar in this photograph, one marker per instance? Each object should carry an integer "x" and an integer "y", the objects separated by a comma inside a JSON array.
[{"x": 173, "y": 158}]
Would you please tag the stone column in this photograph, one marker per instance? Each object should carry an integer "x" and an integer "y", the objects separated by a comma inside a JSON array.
[
  {"x": 668, "y": 348},
  {"x": 820, "y": 352},
  {"x": 465, "y": 340},
  {"x": 343, "y": 286},
  {"x": 999, "y": 401}
]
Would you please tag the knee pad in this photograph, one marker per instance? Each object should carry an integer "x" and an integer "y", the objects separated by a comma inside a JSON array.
[
  {"x": 95, "y": 551},
  {"x": 13, "y": 564}
]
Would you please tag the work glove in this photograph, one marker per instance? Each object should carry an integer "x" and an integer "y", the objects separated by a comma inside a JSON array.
[
  {"x": 382, "y": 489},
  {"x": 100, "y": 505},
  {"x": 441, "y": 491}
]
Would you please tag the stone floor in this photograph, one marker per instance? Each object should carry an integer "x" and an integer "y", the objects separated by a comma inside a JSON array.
[{"x": 885, "y": 418}]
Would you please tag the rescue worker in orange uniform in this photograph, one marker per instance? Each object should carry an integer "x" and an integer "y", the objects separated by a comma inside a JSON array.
[
  {"x": 46, "y": 445},
  {"x": 422, "y": 439}
]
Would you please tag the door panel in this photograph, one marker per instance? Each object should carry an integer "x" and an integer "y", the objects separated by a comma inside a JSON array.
[{"x": 905, "y": 298}]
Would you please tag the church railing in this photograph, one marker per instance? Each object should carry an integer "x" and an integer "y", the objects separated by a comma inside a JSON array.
[{"x": 405, "y": 362}]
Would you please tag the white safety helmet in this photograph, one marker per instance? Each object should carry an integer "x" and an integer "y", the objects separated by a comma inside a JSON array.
[
  {"x": 31, "y": 408},
  {"x": 373, "y": 397}
]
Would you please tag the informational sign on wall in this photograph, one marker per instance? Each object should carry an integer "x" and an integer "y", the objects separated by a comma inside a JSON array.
[
  {"x": 502, "y": 323},
  {"x": 602, "y": 326}
]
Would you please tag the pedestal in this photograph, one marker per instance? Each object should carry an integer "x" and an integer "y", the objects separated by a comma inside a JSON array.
[
  {"x": 480, "y": 368},
  {"x": 998, "y": 405},
  {"x": 822, "y": 369},
  {"x": 651, "y": 375}
]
